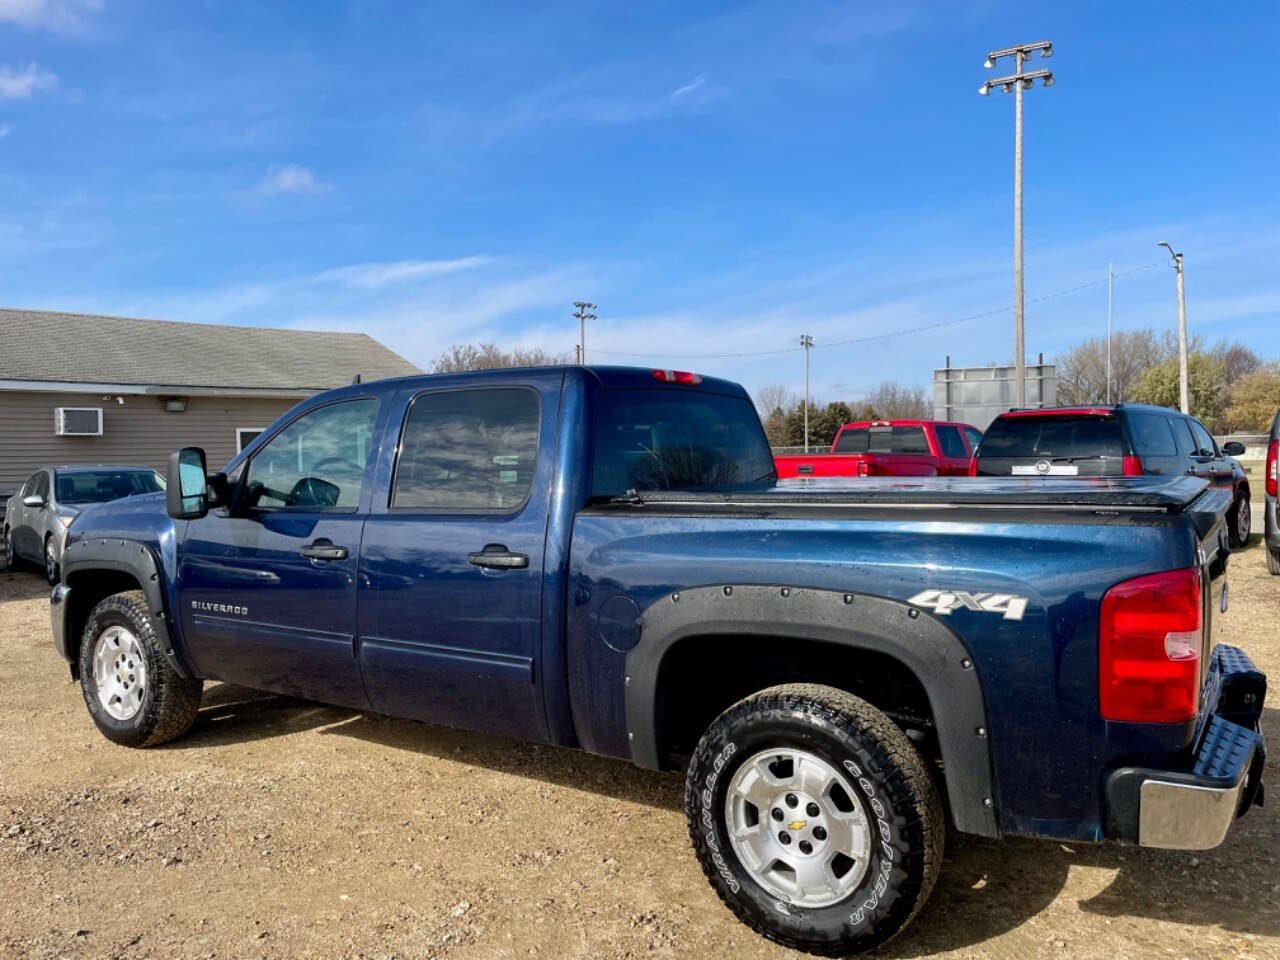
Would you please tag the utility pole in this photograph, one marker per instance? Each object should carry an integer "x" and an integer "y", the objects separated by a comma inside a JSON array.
[
  {"x": 1184, "y": 384},
  {"x": 1111, "y": 281},
  {"x": 1015, "y": 84},
  {"x": 806, "y": 341},
  {"x": 583, "y": 315}
]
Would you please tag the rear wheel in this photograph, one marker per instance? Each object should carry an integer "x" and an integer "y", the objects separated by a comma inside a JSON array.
[
  {"x": 134, "y": 696},
  {"x": 1240, "y": 522},
  {"x": 814, "y": 818}
]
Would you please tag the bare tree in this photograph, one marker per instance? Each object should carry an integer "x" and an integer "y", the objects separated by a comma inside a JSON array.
[
  {"x": 774, "y": 396},
  {"x": 892, "y": 401},
  {"x": 1237, "y": 361},
  {"x": 1082, "y": 370},
  {"x": 488, "y": 356}
]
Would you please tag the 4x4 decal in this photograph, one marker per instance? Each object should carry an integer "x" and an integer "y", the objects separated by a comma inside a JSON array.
[{"x": 944, "y": 601}]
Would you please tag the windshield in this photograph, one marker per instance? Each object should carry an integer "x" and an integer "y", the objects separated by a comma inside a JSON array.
[
  {"x": 1052, "y": 437},
  {"x": 99, "y": 486},
  {"x": 670, "y": 438}
]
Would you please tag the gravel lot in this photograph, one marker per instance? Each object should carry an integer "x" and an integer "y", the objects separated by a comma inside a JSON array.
[{"x": 280, "y": 828}]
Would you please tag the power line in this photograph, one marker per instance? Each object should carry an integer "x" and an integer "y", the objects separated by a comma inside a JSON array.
[{"x": 883, "y": 336}]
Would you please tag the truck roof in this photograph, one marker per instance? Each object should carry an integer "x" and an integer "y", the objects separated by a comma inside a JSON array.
[{"x": 606, "y": 375}]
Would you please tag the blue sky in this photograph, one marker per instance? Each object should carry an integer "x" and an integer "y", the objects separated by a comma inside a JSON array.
[{"x": 718, "y": 177}]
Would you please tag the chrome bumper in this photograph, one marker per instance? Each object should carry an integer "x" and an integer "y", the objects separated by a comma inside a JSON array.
[
  {"x": 1196, "y": 816},
  {"x": 1192, "y": 808}
]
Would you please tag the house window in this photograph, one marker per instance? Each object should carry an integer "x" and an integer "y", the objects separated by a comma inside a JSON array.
[{"x": 246, "y": 436}]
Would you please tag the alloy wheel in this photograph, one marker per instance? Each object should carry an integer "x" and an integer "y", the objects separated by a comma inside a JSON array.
[
  {"x": 119, "y": 672},
  {"x": 798, "y": 827}
]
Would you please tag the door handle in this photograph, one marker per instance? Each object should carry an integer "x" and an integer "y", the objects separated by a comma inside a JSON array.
[
  {"x": 324, "y": 550},
  {"x": 498, "y": 557}
]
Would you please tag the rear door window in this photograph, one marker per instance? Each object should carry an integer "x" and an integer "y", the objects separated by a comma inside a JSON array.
[
  {"x": 1151, "y": 435},
  {"x": 950, "y": 442},
  {"x": 1070, "y": 438},
  {"x": 468, "y": 450},
  {"x": 974, "y": 436}
]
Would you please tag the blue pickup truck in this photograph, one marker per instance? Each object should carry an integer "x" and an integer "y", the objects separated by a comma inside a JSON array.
[{"x": 603, "y": 558}]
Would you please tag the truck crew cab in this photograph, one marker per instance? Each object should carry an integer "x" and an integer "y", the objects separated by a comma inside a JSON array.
[{"x": 601, "y": 558}]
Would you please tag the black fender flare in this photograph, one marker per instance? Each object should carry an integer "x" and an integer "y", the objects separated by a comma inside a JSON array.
[
  {"x": 117, "y": 555},
  {"x": 936, "y": 655}
]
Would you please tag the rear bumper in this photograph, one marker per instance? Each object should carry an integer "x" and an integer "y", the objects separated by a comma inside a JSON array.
[{"x": 1193, "y": 808}]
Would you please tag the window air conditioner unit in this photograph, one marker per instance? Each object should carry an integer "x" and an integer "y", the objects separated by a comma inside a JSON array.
[{"x": 77, "y": 421}]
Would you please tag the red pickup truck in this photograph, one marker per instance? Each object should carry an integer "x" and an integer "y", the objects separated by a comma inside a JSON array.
[{"x": 889, "y": 448}]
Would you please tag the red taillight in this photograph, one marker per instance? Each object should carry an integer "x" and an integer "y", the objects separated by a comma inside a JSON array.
[
  {"x": 677, "y": 376},
  {"x": 1273, "y": 453},
  {"x": 1149, "y": 640},
  {"x": 1133, "y": 466},
  {"x": 973, "y": 466}
]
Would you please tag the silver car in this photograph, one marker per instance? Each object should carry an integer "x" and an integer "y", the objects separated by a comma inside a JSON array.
[{"x": 37, "y": 516}]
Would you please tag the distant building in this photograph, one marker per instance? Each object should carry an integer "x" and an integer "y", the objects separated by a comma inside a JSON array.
[
  {"x": 78, "y": 389},
  {"x": 977, "y": 395}
]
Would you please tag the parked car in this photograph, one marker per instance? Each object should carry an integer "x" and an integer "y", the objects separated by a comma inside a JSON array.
[
  {"x": 1271, "y": 515},
  {"x": 36, "y": 518},
  {"x": 1120, "y": 440},
  {"x": 601, "y": 558},
  {"x": 889, "y": 448}
]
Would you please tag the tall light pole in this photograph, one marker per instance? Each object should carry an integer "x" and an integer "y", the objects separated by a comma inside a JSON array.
[
  {"x": 1015, "y": 83},
  {"x": 806, "y": 341},
  {"x": 583, "y": 314},
  {"x": 1111, "y": 282},
  {"x": 1184, "y": 385}
]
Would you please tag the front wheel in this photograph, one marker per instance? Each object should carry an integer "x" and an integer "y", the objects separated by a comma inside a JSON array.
[
  {"x": 135, "y": 697},
  {"x": 1240, "y": 522},
  {"x": 1273, "y": 562},
  {"x": 814, "y": 818},
  {"x": 51, "y": 572},
  {"x": 10, "y": 556}
]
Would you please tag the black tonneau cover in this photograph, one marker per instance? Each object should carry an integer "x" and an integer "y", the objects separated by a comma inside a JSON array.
[{"x": 1094, "y": 493}]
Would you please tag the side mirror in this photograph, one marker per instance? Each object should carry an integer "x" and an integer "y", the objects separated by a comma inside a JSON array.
[
  {"x": 35, "y": 501},
  {"x": 187, "y": 485},
  {"x": 1233, "y": 448}
]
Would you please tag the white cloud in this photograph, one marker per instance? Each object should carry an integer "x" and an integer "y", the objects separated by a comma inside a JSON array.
[
  {"x": 372, "y": 276},
  {"x": 64, "y": 15},
  {"x": 689, "y": 87},
  {"x": 5, "y": 130},
  {"x": 289, "y": 178},
  {"x": 20, "y": 86}
]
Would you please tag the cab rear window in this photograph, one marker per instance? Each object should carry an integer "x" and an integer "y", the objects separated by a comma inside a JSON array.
[
  {"x": 678, "y": 439},
  {"x": 1049, "y": 437}
]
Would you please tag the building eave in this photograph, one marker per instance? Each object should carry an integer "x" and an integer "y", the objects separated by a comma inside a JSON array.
[{"x": 155, "y": 389}]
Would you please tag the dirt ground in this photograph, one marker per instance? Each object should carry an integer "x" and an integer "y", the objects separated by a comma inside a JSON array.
[{"x": 280, "y": 828}]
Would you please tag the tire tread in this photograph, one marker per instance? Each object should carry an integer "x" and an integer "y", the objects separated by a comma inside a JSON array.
[
  {"x": 904, "y": 765},
  {"x": 176, "y": 703}
]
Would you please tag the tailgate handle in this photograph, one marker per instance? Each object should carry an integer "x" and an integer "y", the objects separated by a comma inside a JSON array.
[
  {"x": 498, "y": 557},
  {"x": 805, "y": 468}
]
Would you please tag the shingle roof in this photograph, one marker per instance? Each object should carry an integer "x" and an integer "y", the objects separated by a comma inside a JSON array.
[{"x": 83, "y": 348}]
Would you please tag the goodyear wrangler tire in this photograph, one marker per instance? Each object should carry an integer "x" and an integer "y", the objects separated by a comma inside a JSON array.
[
  {"x": 135, "y": 698},
  {"x": 815, "y": 819}
]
